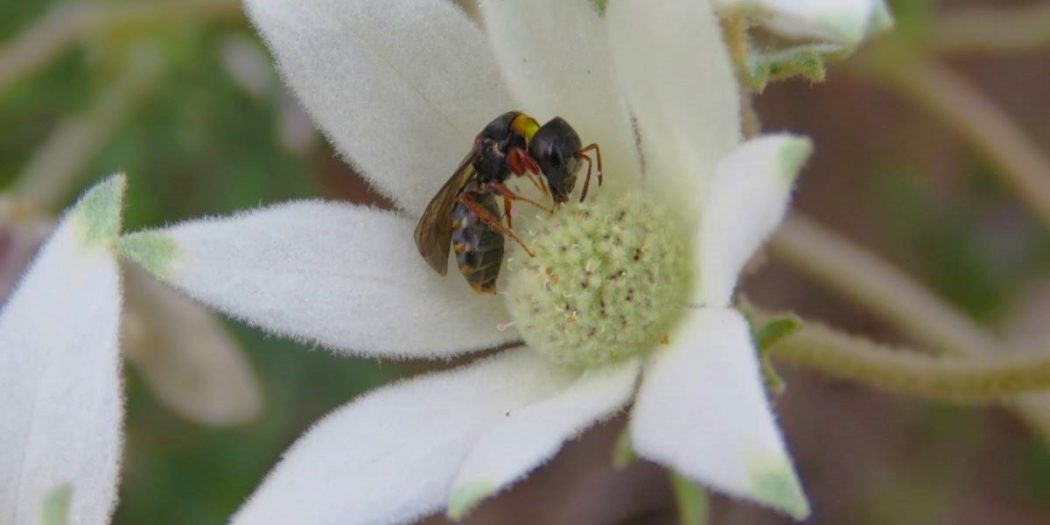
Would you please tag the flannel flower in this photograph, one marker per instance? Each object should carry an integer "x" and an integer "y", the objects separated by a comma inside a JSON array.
[{"x": 627, "y": 300}]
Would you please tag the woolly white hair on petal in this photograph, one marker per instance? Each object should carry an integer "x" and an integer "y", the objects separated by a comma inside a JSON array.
[
  {"x": 530, "y": 437},
  {"x": 675, "y": 71},
  {"x": 554, "y": 56},
  {"x": 401, "y": 87},
  {"x": 702, "y": 411},
  {"x": 60, "y": 369},
  {"x": 746, "y": 201},
  {"x": 347, "y": 277},
  {"x": 390, "y": 456},
  {"x": 846, "y": 22},
  {"x": 186, "y": 356}
]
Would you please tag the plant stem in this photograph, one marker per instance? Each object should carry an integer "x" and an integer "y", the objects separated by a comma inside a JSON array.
[
  {"x": 54, "y": 167},
  {"x": 47, "y": 38},
  {"x": 966, "y": 380},
  {"x": 875, "y": 284},
  {"x": 691, "y": 500},
  {"x": 1006, "y": 147},
  {"x": 738, "y": 41},
  {"x": 1024, "y": 28}
]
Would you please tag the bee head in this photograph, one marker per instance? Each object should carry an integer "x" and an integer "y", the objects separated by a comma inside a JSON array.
[{"x": 556, "y": 148}]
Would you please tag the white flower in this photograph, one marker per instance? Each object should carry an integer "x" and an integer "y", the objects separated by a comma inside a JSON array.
[
  {"x": 401, "y": 88},
  {"x": 846, "y": 22},
  {"x": 60, "y": 369}
]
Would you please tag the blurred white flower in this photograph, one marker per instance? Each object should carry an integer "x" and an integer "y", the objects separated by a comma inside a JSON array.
[
  {"x": 401, "y": 88},
  {"x": 60, "y": 369},
  {"x": 845, "y": 22},
  {"x": 190, "y": 363}
]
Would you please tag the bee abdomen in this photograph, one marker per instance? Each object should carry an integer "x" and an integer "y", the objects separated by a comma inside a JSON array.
[{"x": 478, "y": 246}]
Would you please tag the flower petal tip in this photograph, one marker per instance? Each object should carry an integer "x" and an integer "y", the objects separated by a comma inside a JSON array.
[
  {"x": 774, "y": 483},
  {"x": 154, "y": 251},
  {"x": 98, "y": 211},
  {"x": 794, "y": 154},
  {"x": 881, "y": 20},
  {"x": 56, "y": 506},
  {"x": 467, "y": 496}
]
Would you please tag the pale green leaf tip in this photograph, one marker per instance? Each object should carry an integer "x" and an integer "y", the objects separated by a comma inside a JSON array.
[
  {"x": 775, "y": 484},
  {"x": 56, "y": 506},
  {"x": 793, "y": 155},
  {"x": 154, "y": 251},
  {"x": 99, "y": 210},
  {"x": 466, "y": 497}
]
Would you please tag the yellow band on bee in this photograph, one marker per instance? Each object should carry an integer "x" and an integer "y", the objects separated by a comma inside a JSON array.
[{"x": 525, "y": 125}]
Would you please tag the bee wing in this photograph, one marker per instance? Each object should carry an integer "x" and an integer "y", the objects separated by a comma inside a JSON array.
[{"x": 434, "y": 231}]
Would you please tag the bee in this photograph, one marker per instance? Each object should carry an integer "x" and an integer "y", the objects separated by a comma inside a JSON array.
[{"x": 465, "y": 215}]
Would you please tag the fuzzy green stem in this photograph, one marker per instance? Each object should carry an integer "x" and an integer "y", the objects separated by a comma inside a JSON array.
[
  {"x": 905, "y": 372},
  {"x": 736, "y": 30},
  {"x": 876, "y": 285},
  {"x": 995, "y": 137},
  {"x": 986, "y": 28},
  {"x": 45, "y": 40},
  {"x": 53, "y": 169}
]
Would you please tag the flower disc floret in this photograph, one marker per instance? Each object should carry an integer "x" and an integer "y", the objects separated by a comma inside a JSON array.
[{"x": 609, "y": 278}]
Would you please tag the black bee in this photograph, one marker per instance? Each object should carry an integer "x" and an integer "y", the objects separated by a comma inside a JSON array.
[{"x": 464, "y": 213}]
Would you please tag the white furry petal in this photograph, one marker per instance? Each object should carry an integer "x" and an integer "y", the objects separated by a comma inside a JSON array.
[
  {"x": 554, "y": 56},
  {"x": 746, "y": 201},
  {"x": 347, "y": 277},
  {"x": 60, "y": 369},
  {"x": 675, "y": 71},
  {"x": 702, "y": 411},
  {"x": 390, "y": 457},
  {"x": 846, "y": 22},
  {"x": 528, "y": 438},
  {"x": 401, "y": 87}
]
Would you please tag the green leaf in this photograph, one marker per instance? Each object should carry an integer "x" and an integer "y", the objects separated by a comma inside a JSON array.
[
  {"x": 775, "y": 330},
  {"x": 766, "y": 336},
  {"x": 806, "y": 61}
]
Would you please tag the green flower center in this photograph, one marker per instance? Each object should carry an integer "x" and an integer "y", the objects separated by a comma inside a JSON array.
[{"x": 609, "y": 278}]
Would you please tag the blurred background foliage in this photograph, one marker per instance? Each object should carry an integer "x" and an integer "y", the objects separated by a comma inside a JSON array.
[{"x": 202, "y": 126}]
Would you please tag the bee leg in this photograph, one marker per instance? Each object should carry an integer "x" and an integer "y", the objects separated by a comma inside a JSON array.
[
  {"x": 597, "y": 154},
  {"x": 521, "y": 163},
  {"x": 502, "y": 189},
  {"x": 487, "y": 218},
  {"x": 586, "y": 181},
  {"x": 537, "y": 181},
  {"x": 507, "y": 204}
]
